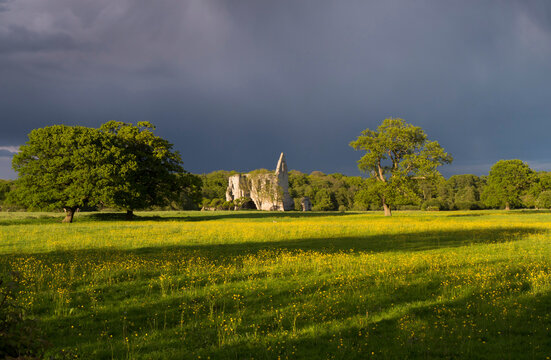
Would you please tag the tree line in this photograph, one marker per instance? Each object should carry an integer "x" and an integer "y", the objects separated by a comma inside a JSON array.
[
  {"x": 338, "y": 192},
  {"x": 334, "y": 192},
  {"x": 127, "y": 167}
]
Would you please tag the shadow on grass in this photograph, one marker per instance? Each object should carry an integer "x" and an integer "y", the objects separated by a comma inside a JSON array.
[
  {"x": 175, "y": 319},
  {"x": 84, "y": 217},
  {"x": 221, "y": 215},
  {"x": 206, "y": 216},
  {"x": 529, "y": 211},
  {"x": 474, "y": 214},
  {"x": 478, "y": 213},
  {"x": 404, "y": 242},
  {"x": 32, "y": 220},
  {"x": 413, "y": 322},
  {"x": 460, "y": 333},
  {"x": 229, "y": 252}
]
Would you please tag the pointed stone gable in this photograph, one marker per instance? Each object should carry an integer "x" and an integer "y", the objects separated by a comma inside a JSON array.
[{"x": 281, "y": 165}]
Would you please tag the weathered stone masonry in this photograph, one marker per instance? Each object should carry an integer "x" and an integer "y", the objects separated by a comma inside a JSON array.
[{"x": 268, "y": 191}]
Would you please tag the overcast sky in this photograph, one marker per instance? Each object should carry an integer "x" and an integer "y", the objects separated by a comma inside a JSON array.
[{"x": 233, "y": 83}]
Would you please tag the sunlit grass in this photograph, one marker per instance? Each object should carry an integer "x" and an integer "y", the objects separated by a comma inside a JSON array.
[{"x": 289, "y": 285}]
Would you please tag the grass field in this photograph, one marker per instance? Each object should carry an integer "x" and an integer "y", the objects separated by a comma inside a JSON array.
[{"x": 240, "y": 285}]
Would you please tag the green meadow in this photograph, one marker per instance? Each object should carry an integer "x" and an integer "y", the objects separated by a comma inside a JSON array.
[{"x": 258, "y": 285}]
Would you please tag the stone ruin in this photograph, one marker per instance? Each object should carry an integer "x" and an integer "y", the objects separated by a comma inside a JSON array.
[
  {"x": 306, "y": 204},
  {"x": 268, "y": 190}
]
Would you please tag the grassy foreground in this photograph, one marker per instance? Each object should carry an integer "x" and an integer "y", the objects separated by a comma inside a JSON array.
[{"x": 240, "y": 285}]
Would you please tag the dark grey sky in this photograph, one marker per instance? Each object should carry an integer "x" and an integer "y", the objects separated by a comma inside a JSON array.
[{"x": 234, "y": 83}]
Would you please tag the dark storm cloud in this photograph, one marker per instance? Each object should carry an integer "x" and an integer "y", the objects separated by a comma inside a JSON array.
[
  {"x": 4, "y": 5},
  {"x": 19, "y": 39},
  {"x": 232, "y": 84}
]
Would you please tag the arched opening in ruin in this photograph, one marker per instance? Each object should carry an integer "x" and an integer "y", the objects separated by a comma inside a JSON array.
[{"x": 249, "y": 205}]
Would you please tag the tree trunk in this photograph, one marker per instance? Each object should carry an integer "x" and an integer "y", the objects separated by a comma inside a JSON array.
[
  {"x": 69, "y": 214},
  {"x": 129, "y": 214},
  {"x": 507, "y": 206},
  {"x": 386, "y": 208}
]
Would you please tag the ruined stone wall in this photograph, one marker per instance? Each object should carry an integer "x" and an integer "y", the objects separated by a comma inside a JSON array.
[
  {"x": 268, "y": 191},
  {"x": 237, "y": 187}
]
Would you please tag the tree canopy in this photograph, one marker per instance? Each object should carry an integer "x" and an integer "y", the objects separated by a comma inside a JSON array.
[
  {"x": 507, "y": 181},
  {"x": 61, "y": 167},
  {"x": 120, "y": 165},
  {"x": 144, "y": 170},
  {"x": 397, "y": 154}
]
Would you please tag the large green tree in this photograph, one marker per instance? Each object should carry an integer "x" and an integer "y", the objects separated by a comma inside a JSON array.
[
  {"x": 144, "y": 170},
  {"x": 397, "y": 155},
  {"x": 119, "y": 164},
  {"x": 507, "y": 181},
  {"x": 61, "y": 167}
]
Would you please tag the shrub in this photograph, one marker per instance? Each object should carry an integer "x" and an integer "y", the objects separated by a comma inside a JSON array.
[
  {"x": 544, "y": 200},
  {"x": 432, "y": 203},
  {"x": 216, "y": 203}
]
